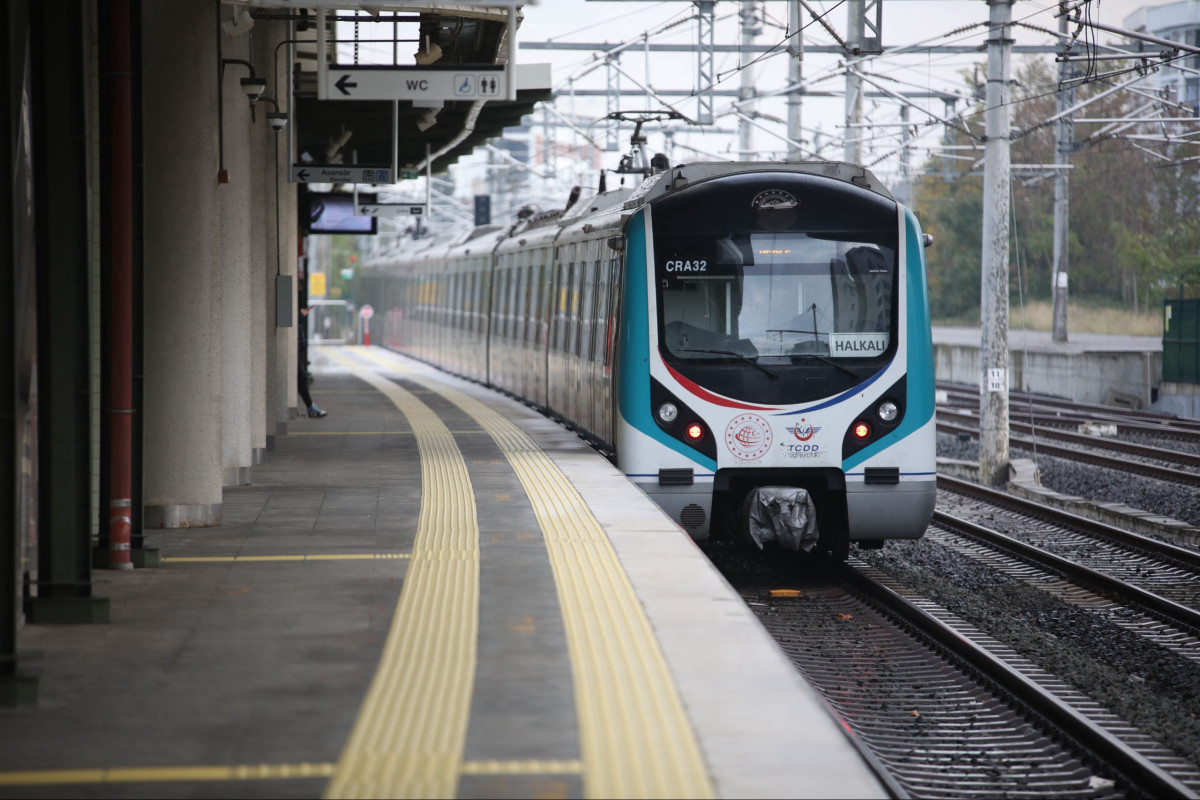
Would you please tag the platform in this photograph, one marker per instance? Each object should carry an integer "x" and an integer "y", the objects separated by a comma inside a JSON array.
[
  {"x": 431, "y": 592},
  {"x": 1088, "y": 368}
]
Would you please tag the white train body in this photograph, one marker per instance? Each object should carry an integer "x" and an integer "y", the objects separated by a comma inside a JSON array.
[{"x": 723, "y": 329}]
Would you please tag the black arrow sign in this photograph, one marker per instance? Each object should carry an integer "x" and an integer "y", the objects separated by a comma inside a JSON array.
[
  {"x": 302, "y": 175},
  {"x": 345, "y": 84}
]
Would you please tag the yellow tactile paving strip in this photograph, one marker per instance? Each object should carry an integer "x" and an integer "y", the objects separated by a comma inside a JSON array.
[
  {"x": 408, "y": 739},
  {"x": 635, "y": 736}
]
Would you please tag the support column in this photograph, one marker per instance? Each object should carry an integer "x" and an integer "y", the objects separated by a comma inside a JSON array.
[
  {"x": 746, "y": 91},
  {"x": 62, "y": 584},
  {"x": 994, "y": 356},
  {"x": 183, "y": 333},
  {"x": 852, "y": 150},
  {"x": 705, "y": 72},
  {"x": 17, "y": 314},
  {"x": 1065, "y": 141},
  {"x": 275, "y": 198},
  {"x": 795, "y": 76},
  {"x": 235, "y": 254}
]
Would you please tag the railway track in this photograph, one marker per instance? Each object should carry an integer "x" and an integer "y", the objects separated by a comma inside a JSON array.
[
  {"x": 1154, "y": 462},
  {"x": 1038, "y": 606},
  {"x": 947, "y": 710},
  {"x": 1059, "y": 412}
]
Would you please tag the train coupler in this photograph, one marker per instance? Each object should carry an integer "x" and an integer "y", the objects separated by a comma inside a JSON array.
[{"x": 785, "y": 515}]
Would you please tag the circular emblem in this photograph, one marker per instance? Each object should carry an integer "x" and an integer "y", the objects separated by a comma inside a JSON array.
[
  {"x": 803, "y": 430},
  {"x": 748, "y": 436},
  {"x": 773, "y": 200}
]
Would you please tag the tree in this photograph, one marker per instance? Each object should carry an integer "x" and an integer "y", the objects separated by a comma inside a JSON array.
[{"x": 1134, "y": 226}]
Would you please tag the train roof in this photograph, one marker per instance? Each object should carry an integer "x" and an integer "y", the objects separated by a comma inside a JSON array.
[{"x": 682, "y": 175}]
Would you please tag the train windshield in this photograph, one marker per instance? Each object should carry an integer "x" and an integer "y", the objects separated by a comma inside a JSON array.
[{"x": 777, "y": 297}]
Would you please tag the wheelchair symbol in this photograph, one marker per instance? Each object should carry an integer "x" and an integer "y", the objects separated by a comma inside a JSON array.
[{"x": 464, "y": 85}]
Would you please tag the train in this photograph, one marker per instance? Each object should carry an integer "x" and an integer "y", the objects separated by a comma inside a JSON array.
[{"x": 748, "y": 342}]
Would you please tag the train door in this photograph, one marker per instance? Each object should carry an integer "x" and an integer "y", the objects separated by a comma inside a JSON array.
[
  {"x": 583, "y": 370},
  {"x": 557, "y": 373},
  {"x": 522, "y": 325},
  {"x": 601, "y": 383},
  {"x": 573, "y": 331},
  {"x": 478, "y": 341},
  {"x": 496, "y": 326},
  {"x": 541, "y": 324},
  {"x": 512, "y": 376}
]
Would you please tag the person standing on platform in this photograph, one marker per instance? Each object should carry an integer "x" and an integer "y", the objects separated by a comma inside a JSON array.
[{"x": 302, "y": 365}]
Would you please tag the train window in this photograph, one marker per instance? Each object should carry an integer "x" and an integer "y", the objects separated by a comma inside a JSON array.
[
  {"x": 614, "y": 310},
  {"x": 599, "y": 351},
  {"x": 571, "y": 315},
  {"x": 779, "y": 296},
  {"x": 585, "y": 310},
  {"x": 562, "y": 290}
]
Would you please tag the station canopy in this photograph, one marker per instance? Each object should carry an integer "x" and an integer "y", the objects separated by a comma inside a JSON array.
[{"x": 370, "y": 38}]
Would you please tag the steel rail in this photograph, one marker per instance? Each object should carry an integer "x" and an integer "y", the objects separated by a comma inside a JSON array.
[
  {"x": 1136, "y": 768},
  {"x": 1045, "y": 416},
  {"x": 1105, "y": 585},
  {"x": 1165, "y": 550},
  {"x": 1087, "y": 440},
  {"x": 1096, "y": 459}
]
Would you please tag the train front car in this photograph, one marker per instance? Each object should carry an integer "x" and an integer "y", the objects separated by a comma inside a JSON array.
[{"x": 776, "y": 365}]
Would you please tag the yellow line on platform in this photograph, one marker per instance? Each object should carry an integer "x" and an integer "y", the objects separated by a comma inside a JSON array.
[
  {"x": 247, "y": 772},
  {"x": 636, "y": 737},
  {"x": 350, "y": 433},
  {"x": 410, "y": 733},
  {"x": 308, "y": 557},
  {"x": 533, "y": 767},
  {"x": 237, "y": 772}
]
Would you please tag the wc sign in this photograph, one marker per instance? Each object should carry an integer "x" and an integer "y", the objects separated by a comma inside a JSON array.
[
  {"x": 467, "y": 85},
  {"x": 413, "y": 83}
]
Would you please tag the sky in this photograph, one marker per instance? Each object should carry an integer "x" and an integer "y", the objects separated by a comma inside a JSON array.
[
  {"x": 912, "y": 26},
  {"x": 905, "y": 22}
]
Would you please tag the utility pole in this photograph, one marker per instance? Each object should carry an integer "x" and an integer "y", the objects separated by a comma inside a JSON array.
[
  {"x": 904, "y": 192},
  {"x": 612, "y": 142},
  {"x": 1065, "y": 128},
  {"x": 749, "y": 19},
  {"x": 994, "y": 361},
  {"x": 705, "y": 72},
  {"x": 795, "y": 75},
  {"x": 855, "y": 23}
]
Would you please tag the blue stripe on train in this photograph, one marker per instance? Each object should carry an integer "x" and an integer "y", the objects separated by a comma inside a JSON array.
[
  {"x": 633, "y": 384},
  {"x": 920, "y": 403}
]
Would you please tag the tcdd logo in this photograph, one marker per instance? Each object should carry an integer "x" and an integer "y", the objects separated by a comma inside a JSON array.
[{"x": 803, "y": 430}]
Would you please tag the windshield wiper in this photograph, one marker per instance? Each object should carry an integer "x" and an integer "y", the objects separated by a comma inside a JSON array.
[
  {"x": 828, "y": 361},
  {"x": 735, "y": 354}
]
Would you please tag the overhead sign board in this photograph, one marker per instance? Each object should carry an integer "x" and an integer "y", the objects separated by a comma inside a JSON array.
[
  {"x": 391, "y": 209},
  {"x": 432, "y": 83},
  {"x": 331, "y": 173}
]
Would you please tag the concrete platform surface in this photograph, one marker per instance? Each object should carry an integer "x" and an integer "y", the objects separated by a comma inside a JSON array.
[{"x": 433, "y": 591}]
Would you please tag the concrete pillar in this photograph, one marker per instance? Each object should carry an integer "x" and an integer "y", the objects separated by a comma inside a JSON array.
[
  {"x": 183, "y": 320},
  {"x": 281, "y": 388},
  {"x": 235, "y": 267},
  {"x": 262, "y": 237},
  {"x": 997, "y": 188}
]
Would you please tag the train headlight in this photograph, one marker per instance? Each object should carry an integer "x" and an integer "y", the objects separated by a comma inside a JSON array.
[
  {"x": 667, "y": 412},
  {"x": 862, "y": 430},
  {"x": 888, "y": 411},
  {"x": 694, "y": 431}
]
